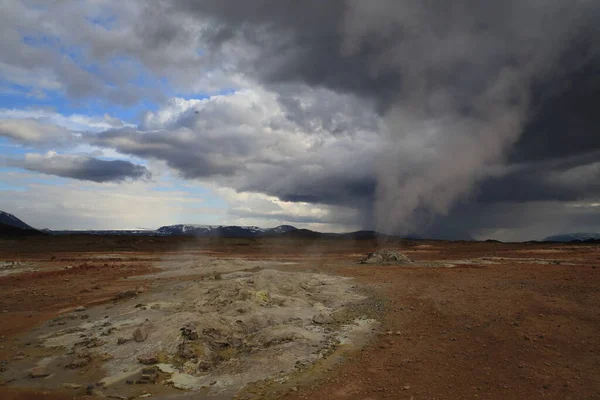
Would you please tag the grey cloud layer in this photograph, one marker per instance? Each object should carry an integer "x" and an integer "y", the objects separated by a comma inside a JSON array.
[{"x": 80, "y": 167}]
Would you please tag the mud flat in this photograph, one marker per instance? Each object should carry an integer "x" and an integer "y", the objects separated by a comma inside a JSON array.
[{"x": 212, "y": 335}]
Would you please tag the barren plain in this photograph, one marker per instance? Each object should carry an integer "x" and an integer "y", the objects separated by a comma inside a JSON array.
[{"x": 146, "y": 317}]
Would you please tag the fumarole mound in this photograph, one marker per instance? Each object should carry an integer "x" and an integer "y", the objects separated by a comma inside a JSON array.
[{"x": 386, "y": 257}]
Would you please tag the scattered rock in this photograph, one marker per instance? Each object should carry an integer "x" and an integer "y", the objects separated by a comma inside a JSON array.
[
  {"x": 85, "y": 316},
  {"x": 122, "y": 340},
  {"x": 39, "y": 372},
  {"x": 128, "y": 294},
  {"x": 79, "y": 362},
  {"x": 80, "y": 308},
  {"x": 140, "y": 335},
  {"x": 321, "y": 319},
  {"x": 204, "y": 366},
  {"x": 73, "y": 386},
  {"x": 148, "y": 376},
  {"x": 91, "y": 343},
  {"x": 407, "y": 387},
  {"x": 186, "y": 351},
  {"x": 108, "y": 332},
  {"x": 148, "y": 359},
  {"x": 145, "y": 395},
  {"x": 150, "y": 370}
]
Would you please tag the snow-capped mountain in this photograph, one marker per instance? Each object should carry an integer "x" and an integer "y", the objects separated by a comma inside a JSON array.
[
  {"x": 11, "y": 220},
  {"x": 573, "y": 237},
  {"x": 220, "y": 231}
]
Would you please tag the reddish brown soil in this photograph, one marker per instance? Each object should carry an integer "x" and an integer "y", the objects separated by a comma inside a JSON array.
[{"x": 512, "y": 330}]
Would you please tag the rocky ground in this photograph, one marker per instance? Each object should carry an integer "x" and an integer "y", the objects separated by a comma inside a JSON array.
[{"x": 109, "y": 317}]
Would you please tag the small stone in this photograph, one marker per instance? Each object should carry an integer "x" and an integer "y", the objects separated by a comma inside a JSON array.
[
  {"x": 321, "y": 319},
  {"x": 148, "y": 359},
  {"x": 122, "y": 340},
  {"x": 128, "y": 294},
  {"x": 39, "y": 372},
  {"x": 73, "y": 386},
  {"x": 145, "y": 395},
  {"x": 85, "y": 316},
  {"x": 140, "y": 335},
  {"x": 79, "y": 362},
  {"x": 149, "y": 370},
  {"x": 80, "y": 308},
  {"x": 294, "y": 389},
  {"x": 204, "y": 366},
  {"x": 407, "y": 387}
]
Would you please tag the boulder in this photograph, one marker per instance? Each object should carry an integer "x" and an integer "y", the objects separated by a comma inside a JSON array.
[
  {"x": 140, "y": 335},
  {"x": 148, "y": 359}
]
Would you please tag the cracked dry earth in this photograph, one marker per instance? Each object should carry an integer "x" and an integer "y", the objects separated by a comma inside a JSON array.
[{"x": 301, "y": 319}]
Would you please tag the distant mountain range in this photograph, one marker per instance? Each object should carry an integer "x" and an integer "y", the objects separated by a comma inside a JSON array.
[
  {"x": 10, "y": 225},
  {"x": 221, "y": 231},
  {"x": 573, "y": 237},
  {"x": 10, "y": 220}
]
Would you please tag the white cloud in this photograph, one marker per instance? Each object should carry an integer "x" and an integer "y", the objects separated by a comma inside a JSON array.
[
  {"x": 33, "y": 131},
  {"x": 76, "y": 205}
]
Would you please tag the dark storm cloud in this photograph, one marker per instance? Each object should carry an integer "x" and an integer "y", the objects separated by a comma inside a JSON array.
[
  {"x": 565, "y": 179},
  {"x": 464, "y": 80},
  {"x": 354, "y": 46},
  {"x": 411, "y": 111},
  {"x": 80, "y": 167},
  {"x": 565, "y": 121},
  {"x": 298, "y": 42}
]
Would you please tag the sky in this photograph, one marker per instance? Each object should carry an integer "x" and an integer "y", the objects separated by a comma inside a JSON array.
[{"x": 441, "y": 119}]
